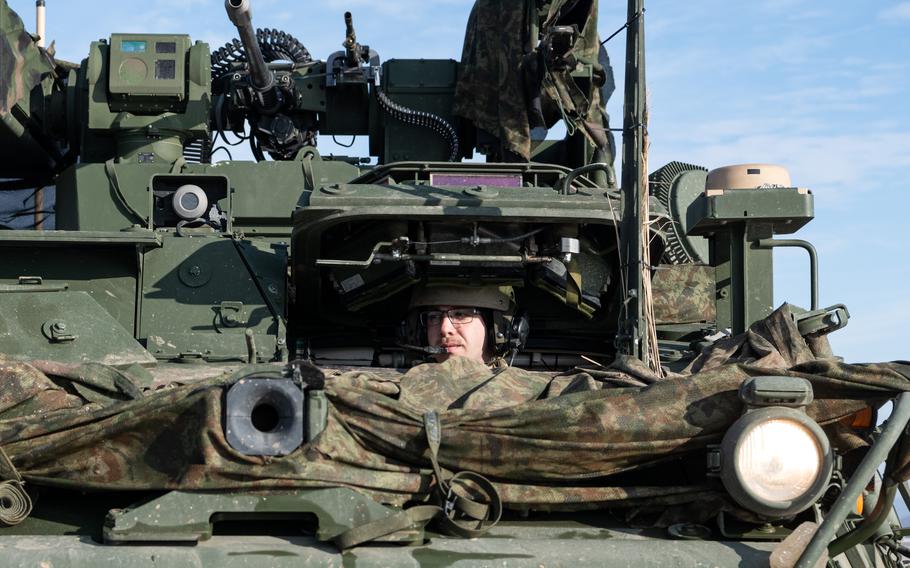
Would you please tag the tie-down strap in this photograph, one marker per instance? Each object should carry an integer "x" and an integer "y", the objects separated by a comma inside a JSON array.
[
  {"x": 15, "y": 504},
  {"x": 470, "y": 503},
  {"x": 415, "y": 517}
]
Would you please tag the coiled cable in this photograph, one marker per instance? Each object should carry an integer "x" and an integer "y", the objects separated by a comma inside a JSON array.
[
  {"x": 422, "y": 119},
  {"x": 275, "y": 45}
]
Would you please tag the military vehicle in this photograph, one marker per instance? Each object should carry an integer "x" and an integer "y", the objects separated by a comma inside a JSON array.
[{"x": 214, "y": 362}]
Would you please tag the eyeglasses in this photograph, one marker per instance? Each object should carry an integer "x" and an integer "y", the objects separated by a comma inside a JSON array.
[{"x": 458, "y": 316}]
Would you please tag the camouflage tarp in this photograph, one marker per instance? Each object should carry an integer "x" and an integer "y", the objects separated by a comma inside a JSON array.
[
  {"x": 502, "y": 70},
  {"x": 683, "y": 293},
  {"x": 546, "y": 441},
  {"x": 23, "y": 67},
  {"x": 21, "y": 63}
]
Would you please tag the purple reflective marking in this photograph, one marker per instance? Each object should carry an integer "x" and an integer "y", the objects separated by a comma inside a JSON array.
[{"x": 492, "y": 180}]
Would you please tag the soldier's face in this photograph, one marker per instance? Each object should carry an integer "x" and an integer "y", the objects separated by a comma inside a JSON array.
[{"x": 459, "y": 339}]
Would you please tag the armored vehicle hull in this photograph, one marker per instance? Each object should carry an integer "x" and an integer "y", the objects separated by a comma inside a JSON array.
[{"x": 227, "y": 362}]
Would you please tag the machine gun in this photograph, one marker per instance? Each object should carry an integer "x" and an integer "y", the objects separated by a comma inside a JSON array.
[
  {"x": 133, "y": 103},
  {"x": 265, "y": 97}
]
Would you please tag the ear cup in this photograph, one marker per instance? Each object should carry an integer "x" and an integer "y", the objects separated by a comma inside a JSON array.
[
  {"x": 412, "y": 331},
  {"x": 499, "y": 332}
]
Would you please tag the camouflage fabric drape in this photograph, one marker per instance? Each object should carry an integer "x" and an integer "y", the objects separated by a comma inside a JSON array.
[
  {"x": 501, "y": 62},
  {"x": 546, "y": 441},
  {"x": 21, "y": 64},
  {"x": 683, "y": 293}
]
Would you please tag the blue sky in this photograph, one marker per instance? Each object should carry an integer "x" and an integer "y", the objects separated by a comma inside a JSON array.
[{"x": 822, "y": 88}]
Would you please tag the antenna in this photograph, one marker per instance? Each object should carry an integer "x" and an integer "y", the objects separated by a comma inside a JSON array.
[
  {"x": 40, "y": 22},
  {"x": 633, "y": 339},
  {"x": 41, "y": 32}
]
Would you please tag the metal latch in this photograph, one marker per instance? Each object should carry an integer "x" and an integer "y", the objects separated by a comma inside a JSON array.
[
  {"x": 30, "y": 280},
  {"x": 57, "y": 331},
  {"x": 190, "y": 356},
  {"x": 822, "y": 322},
  {"x": 713, "y": 460}
]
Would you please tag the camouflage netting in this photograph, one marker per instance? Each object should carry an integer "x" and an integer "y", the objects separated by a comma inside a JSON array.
[
  {"x": 503, "y": 71},
  {"x": 546, "y": 441},
  {"x": 21, "y": 63},
  {"x": 27, "y": 75}
]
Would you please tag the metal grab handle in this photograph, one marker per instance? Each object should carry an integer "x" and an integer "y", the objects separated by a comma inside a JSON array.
[
  {"x": 813, "y": 261},
  {"x": 566, "y": 182},
  {"x": 844, "y": 504},
  {"x": 870, "y": 524}
]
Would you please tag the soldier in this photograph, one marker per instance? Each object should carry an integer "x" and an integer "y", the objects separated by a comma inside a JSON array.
[{"x": 462, "y": 321}]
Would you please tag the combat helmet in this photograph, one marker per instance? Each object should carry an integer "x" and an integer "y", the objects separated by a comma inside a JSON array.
[{"x": 489, "y": 297}]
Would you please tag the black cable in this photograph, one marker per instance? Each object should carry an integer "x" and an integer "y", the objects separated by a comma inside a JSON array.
[
  {"x": 513, "y": 239},
  {"x": 27, "y": 212},
  {"x": 219, "y": 123},
  {"x": 225, "y": 150},
  {"x": 256, "y": 148},
  {"x": 624, "y": 26},
  {"x": 353, "y": 139}
]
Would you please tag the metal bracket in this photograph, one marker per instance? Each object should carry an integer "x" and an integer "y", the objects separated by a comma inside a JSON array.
[
  {"x": 822, "y": 322},
  {"x": 730, "y": 529},
  {"x": 188, "y": 517},
  {"x": 231, "y": 314}
]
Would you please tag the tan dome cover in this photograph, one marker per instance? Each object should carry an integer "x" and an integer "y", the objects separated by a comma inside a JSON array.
[{"x": 748, "y": 176}]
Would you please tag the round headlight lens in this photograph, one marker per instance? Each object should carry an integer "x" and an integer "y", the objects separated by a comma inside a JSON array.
[
  {"x": 779, "y": 460},
  {"x": 776, "y": 461}
]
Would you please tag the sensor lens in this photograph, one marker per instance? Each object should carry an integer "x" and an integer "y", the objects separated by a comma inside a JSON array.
[{"x": 190, "y": 202}]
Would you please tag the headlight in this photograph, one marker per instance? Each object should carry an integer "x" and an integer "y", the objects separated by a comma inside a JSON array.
[{"x": 775, "y": 461}]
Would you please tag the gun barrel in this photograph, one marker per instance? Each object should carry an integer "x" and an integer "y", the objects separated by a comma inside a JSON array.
[
  {"x": 350, "y": 41},
  {"x": 349, "y": 33},
  {"x": 240, "y": 15}
]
